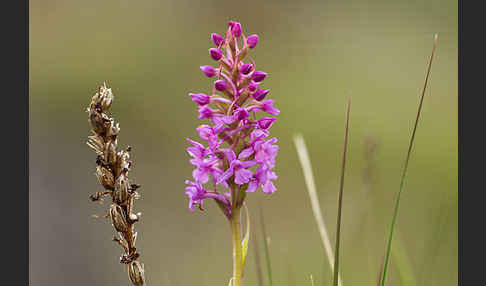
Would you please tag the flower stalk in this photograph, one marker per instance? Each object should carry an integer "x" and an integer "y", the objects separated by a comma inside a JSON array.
[{"x": 238, "y": 266}]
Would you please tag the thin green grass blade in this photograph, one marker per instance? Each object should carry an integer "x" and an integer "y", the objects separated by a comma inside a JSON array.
[
  {"x": 305, "y": 162},
  {"x": 265, "y": 248},
  {"x": 340, "y": 200},
  {"x": 404, "y": 173}
]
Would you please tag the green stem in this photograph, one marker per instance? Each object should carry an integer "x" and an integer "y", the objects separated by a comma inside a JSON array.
[{"x": 237, "y": 252}]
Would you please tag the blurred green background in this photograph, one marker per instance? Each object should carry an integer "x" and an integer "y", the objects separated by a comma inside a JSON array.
[{"x": 315, "y": 52}]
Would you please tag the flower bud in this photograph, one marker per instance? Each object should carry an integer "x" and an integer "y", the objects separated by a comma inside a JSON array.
[
  {"x": 252, "y": 86},
  {"x": 105, "y": 177},
  {"x": 265, "y": 122},
  {"x": 209, "y": 71},
  {"x": 246, "y": 68},
  {"x": 260, "y": 94},
  {"x": 241, "y": 114},
  {"x": 252, "y": 41},
  {"x": 220, "y": 85},
  {"x": 258, "y": 76},
  {"x": 118, "y": 218},
  {"x": 136, "y": 273},
  {"x": 235, "y": 29},
  {"x": 120, "y": 195},
  {"x": 215, "y": 54},
  {"x": 217, "y": 39},
  {"x": 205, "y": 112},
  {"x": 200, "y": 98}
]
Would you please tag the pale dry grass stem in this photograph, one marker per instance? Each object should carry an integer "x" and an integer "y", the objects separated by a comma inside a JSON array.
[
  {"x": 112, "y": 167},
  {"x": 311, "y": 188}
]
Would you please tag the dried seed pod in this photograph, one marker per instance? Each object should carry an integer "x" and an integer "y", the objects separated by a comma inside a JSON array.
[
  {"x": 106, "y": 102},
  {"x": 106, "y": 98},
  {"x": 96, "y": 120},
  {"x": 92, "y": 104},
  {"x": 113, "y": 130},
  {"x": 106, "y": 119},
  {"x": 118, "y": 218},
  {"x": 136, "y": 273},
  {"x": 96, "y": 143},
  {"x": 135, "y": 217},
  {"x": 120, "y": 196},
  {"x": 110, "y": 152},
  {"x": 135, "y": 237},
  {"x": 105, "y": 177},
  {"x": 123, "y": 161}
]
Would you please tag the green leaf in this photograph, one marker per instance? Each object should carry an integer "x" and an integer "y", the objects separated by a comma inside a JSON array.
[{"x": 244, "y": 243}]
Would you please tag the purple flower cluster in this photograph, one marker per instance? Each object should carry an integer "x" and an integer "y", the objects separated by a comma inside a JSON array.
[{"x": 238, "y": 155}]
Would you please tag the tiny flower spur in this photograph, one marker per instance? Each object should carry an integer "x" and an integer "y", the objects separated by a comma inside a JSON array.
[{"x": 238, "y": 154}]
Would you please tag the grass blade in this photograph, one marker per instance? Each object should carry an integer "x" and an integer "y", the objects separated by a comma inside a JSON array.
[
  {"x": 311, "y": 188},
  {"x": 402, "y": 182},
  {"x": 265, "y": 247},
  {"x": 340, "y": 200}
]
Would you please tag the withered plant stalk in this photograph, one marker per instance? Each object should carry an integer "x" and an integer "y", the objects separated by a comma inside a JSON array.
[{"x": 112, "y": 169}]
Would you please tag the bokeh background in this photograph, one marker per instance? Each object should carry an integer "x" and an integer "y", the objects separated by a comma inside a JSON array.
[{"x": 316, "y": 53}]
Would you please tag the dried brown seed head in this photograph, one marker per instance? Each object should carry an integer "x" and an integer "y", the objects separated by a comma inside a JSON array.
[{"x": 112, "y": 172}]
